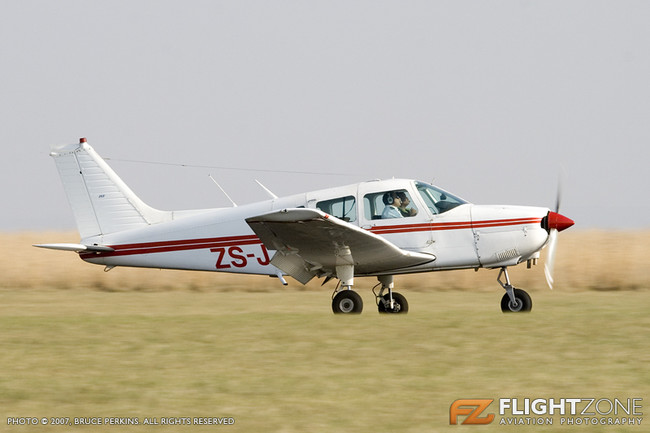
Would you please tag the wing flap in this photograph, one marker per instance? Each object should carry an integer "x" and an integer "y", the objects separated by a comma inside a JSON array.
[{"x": 322, "y": 241}]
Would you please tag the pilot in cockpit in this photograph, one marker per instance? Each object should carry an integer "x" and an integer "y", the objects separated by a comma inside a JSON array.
[
  {"x": 404, "y": 208},
  {"x": 393, "y": 203}
]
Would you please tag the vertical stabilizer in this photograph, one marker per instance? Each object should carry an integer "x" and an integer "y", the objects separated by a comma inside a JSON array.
[{"x": 101, "y": 202}]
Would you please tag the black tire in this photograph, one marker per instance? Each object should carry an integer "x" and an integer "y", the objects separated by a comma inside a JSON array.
[
  {"x": 347, "y": 302},
  {"x": 524, "y": 303},
  {"x": 401, "y": 306}
]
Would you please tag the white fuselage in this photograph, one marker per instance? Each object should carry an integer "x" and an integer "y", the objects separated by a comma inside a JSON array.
[{"x": 463, "y": 236}]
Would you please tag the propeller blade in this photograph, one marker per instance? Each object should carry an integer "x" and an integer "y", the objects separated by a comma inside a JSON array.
[
  {"x": 558, "y": 194},
  {"x": 555, "y": 223},
  {"x": 550, "y": 258}
]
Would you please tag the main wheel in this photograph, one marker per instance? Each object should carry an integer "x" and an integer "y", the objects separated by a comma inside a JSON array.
[
  {"x": 523, "y": 302},
  {"x": 400, "y": 305},
  {"x": 347, "y": 302}
]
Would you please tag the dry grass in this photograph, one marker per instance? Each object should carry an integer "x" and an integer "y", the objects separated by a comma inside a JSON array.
[
  {"x": 586, "y": 260},
  {"x": 78, "y": 342},
  {"x": 282, "y": 362}
]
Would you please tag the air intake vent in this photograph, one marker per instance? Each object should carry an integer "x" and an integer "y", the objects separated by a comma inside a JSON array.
[{"x": 507, "y": 255}]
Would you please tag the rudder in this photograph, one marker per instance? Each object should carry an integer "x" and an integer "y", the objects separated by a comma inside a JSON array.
[{"x": 101, "y": 202}]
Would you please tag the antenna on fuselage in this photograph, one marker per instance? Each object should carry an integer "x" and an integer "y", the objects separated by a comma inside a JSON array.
[
  {"x": 268, "y": 191},
  {"x": 223, "y": 191}
]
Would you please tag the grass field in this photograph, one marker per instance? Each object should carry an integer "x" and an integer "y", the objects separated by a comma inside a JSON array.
[
  {"x": 283, "y": 363},
  {"x": 277, "y": 360},
  {"x": 586, "y": 260}
]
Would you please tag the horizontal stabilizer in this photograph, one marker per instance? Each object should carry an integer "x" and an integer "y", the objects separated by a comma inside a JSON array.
[{"x": 78, "y": 248}]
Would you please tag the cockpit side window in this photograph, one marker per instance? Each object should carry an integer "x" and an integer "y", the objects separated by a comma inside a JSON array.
[
  {"x": 344, "y": 208},
  {"x": 388, "y": 204},
  {"x": 437, "y": 200}
]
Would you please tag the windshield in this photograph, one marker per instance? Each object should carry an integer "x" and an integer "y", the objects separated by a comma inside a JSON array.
[{"x": 436, "y": 199}]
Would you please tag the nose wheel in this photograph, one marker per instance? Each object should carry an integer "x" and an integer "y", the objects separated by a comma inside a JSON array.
[
  {"x": 522, "y": 302},
  {"x": 514, "y": 300}
]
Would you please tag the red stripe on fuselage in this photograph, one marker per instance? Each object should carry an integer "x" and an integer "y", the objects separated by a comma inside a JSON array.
[
  {"x": 177, "y": 245},
  {"x": 407, "y": 228},
  {"x": 230, "y": 241}
]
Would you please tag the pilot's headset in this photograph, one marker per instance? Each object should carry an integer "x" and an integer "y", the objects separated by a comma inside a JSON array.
[{"x": 389, "y": 198}]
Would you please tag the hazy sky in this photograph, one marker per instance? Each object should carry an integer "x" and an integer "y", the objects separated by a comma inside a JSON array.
[{"x": 486, "y": 98}]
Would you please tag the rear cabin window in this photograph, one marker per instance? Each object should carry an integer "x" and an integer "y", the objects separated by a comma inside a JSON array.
[{"x": 344, "y": 208}]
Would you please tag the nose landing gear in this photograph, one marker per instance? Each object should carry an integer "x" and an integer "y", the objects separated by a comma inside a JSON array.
[{"x": 515, "y": 300}]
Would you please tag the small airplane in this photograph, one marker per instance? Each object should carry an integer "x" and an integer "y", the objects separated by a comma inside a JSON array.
[{"x": 378, "y": 228}]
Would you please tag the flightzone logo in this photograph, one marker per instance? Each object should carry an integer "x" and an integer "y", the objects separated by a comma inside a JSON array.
[
  {"x": 471, "y": 409},
  {"x": 551, "y": 411}
]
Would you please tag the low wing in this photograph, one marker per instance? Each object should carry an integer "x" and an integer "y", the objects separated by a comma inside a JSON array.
[{"x": 310, "y": 242}]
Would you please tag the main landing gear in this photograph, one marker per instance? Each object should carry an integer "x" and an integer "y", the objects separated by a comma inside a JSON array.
[
  {"x": 347, "y": 301},
  {"x": 515, "y": 300},
  {"x": 391, "y": 302}
]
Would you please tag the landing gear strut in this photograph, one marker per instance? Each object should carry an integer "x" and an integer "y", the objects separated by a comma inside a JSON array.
[
  {"x": 515, "y": 300},
  {"x": 347, "y": 301},
  {"x": 391, "y": 302}
]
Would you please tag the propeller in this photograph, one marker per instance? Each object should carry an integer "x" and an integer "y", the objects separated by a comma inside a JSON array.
[
  {"x": 549, "y": 264},
  {"x": 555, "y": 222}
]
